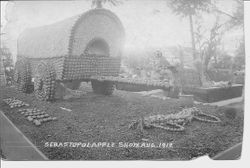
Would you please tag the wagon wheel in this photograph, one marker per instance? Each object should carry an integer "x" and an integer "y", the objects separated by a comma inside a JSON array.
[
  {"x": 22, "y": 76},
  {"x": 104, "y": 87},
  {"x": 45, "y": 82}
]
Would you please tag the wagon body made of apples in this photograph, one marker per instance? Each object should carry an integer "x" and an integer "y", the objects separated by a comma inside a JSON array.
[{"x": 70, "y": 51}]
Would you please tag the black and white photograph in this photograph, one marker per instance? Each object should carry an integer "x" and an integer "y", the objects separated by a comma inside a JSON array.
[{"x": 160, "y": 80}]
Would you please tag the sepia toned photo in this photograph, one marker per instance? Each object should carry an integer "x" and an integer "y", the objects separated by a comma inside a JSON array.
[{"x": 122, "y": 80}]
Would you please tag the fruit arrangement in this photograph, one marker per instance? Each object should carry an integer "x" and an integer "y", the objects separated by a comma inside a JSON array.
[
  {"x": 221, "y": 84},
  {"x": 13, "y": 102},
  {"x": 36, "y": 116},
  {"x": 176, "y": 122},
  {"x": 90, "y": 65}
]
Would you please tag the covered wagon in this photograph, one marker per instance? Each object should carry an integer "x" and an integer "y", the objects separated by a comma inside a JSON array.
[{"x": 70, "y": 51}]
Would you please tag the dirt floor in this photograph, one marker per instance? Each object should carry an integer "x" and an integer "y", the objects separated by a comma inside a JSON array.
[{"x": 97, "y": 118}]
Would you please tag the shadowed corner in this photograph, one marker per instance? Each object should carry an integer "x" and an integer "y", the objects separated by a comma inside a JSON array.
[
  {"x": 2, "y": 156},
  {"x": 14, "y": 145},
  {"x": 233, "y": 153}
]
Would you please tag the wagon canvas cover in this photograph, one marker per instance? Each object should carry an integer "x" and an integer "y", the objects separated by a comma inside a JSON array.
[{"x": 71, "y": 36}]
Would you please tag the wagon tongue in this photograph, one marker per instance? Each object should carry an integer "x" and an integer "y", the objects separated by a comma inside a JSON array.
[{"x": 157, "y": 84}]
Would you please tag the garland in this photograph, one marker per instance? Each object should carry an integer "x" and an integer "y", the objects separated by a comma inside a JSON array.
[
  {"x": 177, "y": 127},
  {"x": 214, "y": 118}
]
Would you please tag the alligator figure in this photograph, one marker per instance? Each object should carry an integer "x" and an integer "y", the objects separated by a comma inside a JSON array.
[{"x": 175, "y": 122}]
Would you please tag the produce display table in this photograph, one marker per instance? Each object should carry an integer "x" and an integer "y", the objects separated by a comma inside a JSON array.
[{"x": 214, "y": 94}]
